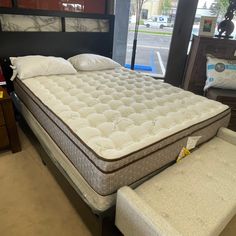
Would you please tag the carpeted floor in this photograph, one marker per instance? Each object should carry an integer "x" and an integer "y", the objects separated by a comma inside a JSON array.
[{"x": 32, "y": 203}]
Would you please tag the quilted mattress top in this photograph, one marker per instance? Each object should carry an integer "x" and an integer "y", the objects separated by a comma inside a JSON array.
[{"x": 116, "y": 112}]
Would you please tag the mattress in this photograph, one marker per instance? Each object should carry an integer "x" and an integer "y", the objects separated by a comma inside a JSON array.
[
  {"x": 97, "y": 203},
  {"x": 118, "y": 126}
]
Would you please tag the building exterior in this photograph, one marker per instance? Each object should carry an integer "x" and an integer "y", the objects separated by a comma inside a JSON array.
[
  {"x": 152, "y": 7},
  {"x": 156, "y": 7}
]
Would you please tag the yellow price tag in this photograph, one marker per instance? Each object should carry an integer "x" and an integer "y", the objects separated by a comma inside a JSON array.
[
  {"x": 184, "y": 152},
  {"x": 1, "y": 94}
]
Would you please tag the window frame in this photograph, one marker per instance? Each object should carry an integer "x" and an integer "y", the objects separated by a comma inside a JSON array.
[
  {"x": 179, "y": 42},
  {"x": 180, "y": 38}
]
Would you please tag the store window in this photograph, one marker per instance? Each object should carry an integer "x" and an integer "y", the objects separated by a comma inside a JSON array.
[
  {"x": 154, "y": 36},
  {"x": 207, "y": 8},
  {"x": 216, "y": 8},
  {"x": 210, "y": 8}
]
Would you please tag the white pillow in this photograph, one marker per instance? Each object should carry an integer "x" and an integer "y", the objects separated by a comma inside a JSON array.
[
  {"x": 31, "y": 66},
  {"x": 221, "y": 73},
  {"x": 90, "y": 62}
]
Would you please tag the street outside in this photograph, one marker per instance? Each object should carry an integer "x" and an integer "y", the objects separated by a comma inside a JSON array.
[{"x": 152, "y": 49}]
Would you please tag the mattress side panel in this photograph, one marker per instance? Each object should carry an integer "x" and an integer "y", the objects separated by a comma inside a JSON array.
[
  {"x": 106, "y": 183},
  {"x": 114, "y": 114},
  {"x": 107, "y": 165}
]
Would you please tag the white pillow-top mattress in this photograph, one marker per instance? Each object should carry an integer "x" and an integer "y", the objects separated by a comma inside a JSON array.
[
  {"x": 118, "y": 112},
  {"x": 115, "y": 114}
]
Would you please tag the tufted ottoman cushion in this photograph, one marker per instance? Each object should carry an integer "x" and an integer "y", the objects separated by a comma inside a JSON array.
[{"x": 194, "y": 197}]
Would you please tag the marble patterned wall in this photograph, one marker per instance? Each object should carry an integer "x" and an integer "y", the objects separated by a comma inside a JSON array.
[
  {"x": 86, "y": 25},
  {"x": 51, "y": 24},
  {"x": 30, "y": 23}
]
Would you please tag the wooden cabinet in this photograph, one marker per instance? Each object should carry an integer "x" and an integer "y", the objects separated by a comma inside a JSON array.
[
  {"x": 227, "y": 97},
  {"x": 195, "y": 74},
  {"x": 2, "y": 121},
  {"x": 8, "y": 131}
]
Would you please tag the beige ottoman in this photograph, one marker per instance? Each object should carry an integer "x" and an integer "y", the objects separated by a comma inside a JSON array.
[{"x": 196, "y": 196}]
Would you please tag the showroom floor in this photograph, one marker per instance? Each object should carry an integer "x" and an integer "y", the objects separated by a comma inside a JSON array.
[{"x": 31, "y": 201}]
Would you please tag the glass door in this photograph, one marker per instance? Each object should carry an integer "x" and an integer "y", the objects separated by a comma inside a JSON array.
[{"x": 157, "y": 20}]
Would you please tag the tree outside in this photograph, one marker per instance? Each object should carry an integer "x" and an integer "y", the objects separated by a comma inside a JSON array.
[
  {"x": 138, "y": 9},
  {"x": 154, "y": 7},
  {"x": 165, "y": 7},
  {"x": 219, "y": 8}
]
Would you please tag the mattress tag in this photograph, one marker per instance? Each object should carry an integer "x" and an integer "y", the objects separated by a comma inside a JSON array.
[
  {"x": 192, "y": 142},
  {"x": 1, "y": 94},
  {"x": 183, "y": 153}
]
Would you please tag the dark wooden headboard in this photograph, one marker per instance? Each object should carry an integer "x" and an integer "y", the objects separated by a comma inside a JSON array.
[
  {"x": 195, "y": 75},
  {"x": 63, "y": 44}
]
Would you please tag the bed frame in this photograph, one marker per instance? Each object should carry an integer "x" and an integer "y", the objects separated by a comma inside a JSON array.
[{"x": 55, "y": 44}]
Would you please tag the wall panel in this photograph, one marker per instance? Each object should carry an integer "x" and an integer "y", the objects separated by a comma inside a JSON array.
[
  {"x": 86, "y": 6},
  {"x": 5, "y": 3},
  {"x": 94, "y": 6}
]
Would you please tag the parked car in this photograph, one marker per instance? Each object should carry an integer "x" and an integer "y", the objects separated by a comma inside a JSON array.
[
  {"x": 159, "y": 22},
  {"x": 132, "y": 19}
]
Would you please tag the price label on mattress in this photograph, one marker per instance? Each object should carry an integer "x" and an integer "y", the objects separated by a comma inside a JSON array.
[
  {"x": 1, "y": 94},
  {"x": 183, "y": 153},
  {"x": 192, "y": 142}
]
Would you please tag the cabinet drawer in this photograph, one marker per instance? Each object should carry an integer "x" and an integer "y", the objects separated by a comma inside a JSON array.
[
  {"x": 4, "y": 141},
  {"x": 232, "y": 124},
  {"x": 2, "y": 121},
  {"x": 230, "y": 101},
  {"x": 231, "y": 105},
  {"x": 216, "y": 50},
  {"x": 233, "y": 112}
]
